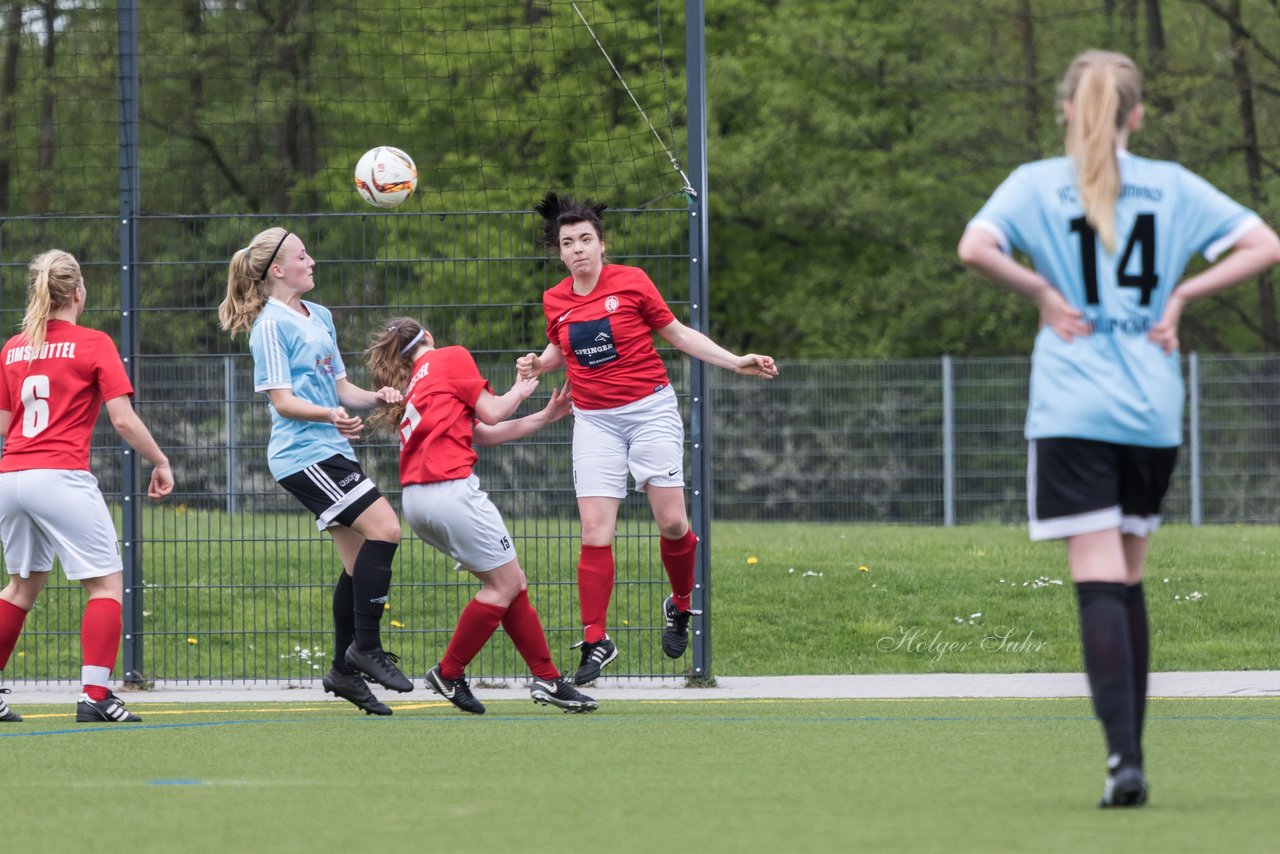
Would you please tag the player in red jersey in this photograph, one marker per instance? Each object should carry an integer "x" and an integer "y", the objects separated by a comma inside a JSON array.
[
  {"x": 54, "y": 378},
  {"x": 600, "y": 324},
  {"x": 447, "y": 407}
]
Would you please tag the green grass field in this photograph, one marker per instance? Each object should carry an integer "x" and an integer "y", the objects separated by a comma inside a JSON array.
[
  {"x": 702, "y": 775},
  {"x": 248, "y": 596},
  {"x": 756, "y": 776},
  {"x": 822, "y": 598}
]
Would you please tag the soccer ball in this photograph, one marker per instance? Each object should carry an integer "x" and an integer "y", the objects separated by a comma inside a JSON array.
[{"x": 386, "y": 176}]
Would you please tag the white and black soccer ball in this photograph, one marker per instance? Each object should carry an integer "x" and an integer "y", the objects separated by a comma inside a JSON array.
[{"x": 386, "y": 176}]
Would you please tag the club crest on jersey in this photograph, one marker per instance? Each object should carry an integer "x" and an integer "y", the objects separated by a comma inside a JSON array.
[
  {"x": 325, "y": 365},
  {"x": 592, "y": 342},
  {"x": 611, "y": 304}
]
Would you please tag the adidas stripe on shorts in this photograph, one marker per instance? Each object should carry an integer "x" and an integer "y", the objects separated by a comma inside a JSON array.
[
  {"x": 644, "y": 438},
  {"x": 457, "y": 517},
  {"x": 336, "y": 490},
  {"x": 47, "y": 512}
]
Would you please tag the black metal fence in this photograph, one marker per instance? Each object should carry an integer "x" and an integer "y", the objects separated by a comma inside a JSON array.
[
  {"x": 230, "y": 579},
  {"x": 940, "y": 441},
  {"x": 153, "y": 140}
]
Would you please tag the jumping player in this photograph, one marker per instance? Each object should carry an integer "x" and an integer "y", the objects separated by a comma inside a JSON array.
[
  {"x": 296, "y": 362},
  {"x": 1108, "y": 235},
  {"x": 54, "y": 378},
  {"x": 600, "y": 324},
  {"x": 449, "y": 406}
]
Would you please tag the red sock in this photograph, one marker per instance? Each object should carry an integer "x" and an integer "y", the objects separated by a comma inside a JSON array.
[
  {"x": 595, "y": 586},
  {"x": 11, "y": 617},
  {"x": 476, "y": 625},
  {"x": 525, "y": 630},
  {"x": 679, "y": 557},
  {"x": 99, "y": 644}
]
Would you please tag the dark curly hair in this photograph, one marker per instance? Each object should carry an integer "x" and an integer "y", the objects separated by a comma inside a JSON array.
[{"x": 557, "y": 210}]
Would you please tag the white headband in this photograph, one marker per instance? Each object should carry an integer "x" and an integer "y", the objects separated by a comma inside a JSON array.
[{"x": 413, "y": 343}]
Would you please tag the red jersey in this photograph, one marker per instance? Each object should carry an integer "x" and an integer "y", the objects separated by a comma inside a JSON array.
[
  {"x": 607, "y": 337},
  {"x": 439, "y": 412},
  {"x": 55, "y": 398}
]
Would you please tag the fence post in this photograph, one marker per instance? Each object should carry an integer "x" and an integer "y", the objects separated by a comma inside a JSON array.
[
  {"x": 948, "y": 444},
  {"x": 700, "y": 416},
  {"x": 229, "y": 391},
  {"x": 1193, "y": 427},
  {"x": 130, "y": 204}
]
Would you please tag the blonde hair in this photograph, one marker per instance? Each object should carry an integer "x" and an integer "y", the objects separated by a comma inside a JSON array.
[
  {"x": 390, "y": 359},
  {"x": 247, "y": 289},
  {"x": 52, "y": 279},
  {"x": 1102, "y": 87}
]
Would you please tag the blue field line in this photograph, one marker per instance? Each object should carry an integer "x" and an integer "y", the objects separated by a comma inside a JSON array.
[
  {"x": 139, "y": 727},
  {"x": 630, "y": 719}
]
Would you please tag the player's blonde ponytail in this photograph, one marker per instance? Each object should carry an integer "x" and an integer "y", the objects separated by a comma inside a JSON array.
[
  {"x": 247, "y": 288},
  {"x": 52, "y": 279},
  {"x": 390, "y": 359},
  {"x": 1103, "y": 87}
]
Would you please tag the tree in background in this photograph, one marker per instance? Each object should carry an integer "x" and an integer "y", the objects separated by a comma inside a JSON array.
[{"x": 850, "y": 140}]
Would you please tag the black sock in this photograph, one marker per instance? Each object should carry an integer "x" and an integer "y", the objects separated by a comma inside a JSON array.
[
  {"x": 344, "y": 627},
  {"x": 1108, "y": 661},
  {"x": 371, "y": 576},
  {"x": 1140, "y": 643}
]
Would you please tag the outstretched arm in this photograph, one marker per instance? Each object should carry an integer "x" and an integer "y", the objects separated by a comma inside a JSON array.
[
  {"x": 557, "y": 407},
  {"x": 490, "y": 409},
  {"x": 291, "y": 406},
  {"x": 694, "y": 343},
  {"x": 350, "y": 394}
]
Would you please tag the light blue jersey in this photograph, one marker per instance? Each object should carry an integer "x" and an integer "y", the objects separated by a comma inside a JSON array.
[
  {"x": 1113, "y": 385},
  {"x": 299, "y": 353}
]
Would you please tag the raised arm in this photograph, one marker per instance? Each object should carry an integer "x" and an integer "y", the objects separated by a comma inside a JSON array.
[
  {"x": 490, "y": 409},
  {"x": 532, "y": 365},
  {"x": 695, "y": 344}
]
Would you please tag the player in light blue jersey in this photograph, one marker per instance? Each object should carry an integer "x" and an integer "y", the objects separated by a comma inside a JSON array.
[
  {"x": 1107, "y": 235},
  {"x": 297, "y": 364}
]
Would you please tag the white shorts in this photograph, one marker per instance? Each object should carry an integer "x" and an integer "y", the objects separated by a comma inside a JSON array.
[
  {"x": 44, "y": 512},
  {"x": 457, "y": 517},
  {"x": 645, "y": 438}
]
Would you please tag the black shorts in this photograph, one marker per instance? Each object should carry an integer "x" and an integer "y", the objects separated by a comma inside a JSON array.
[
  {"x": 337, "y": 490},
  {"x": 1079, "y": 486}
]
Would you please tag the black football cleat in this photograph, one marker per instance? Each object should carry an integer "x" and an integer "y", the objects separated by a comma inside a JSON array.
[
  {"x": 594, "y": 657},
  {"x": 353, "y": 688},
  {"x": 1125, "y": 787},
  {"x": 675, "y": 637},
  {"x": 456, "y": 691},
  {"x": 380, "y": 666},
  {"x": 111, "y": 710},
  {"x": 562, "y": 694},
  {"x": 7, "y": 715}
]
